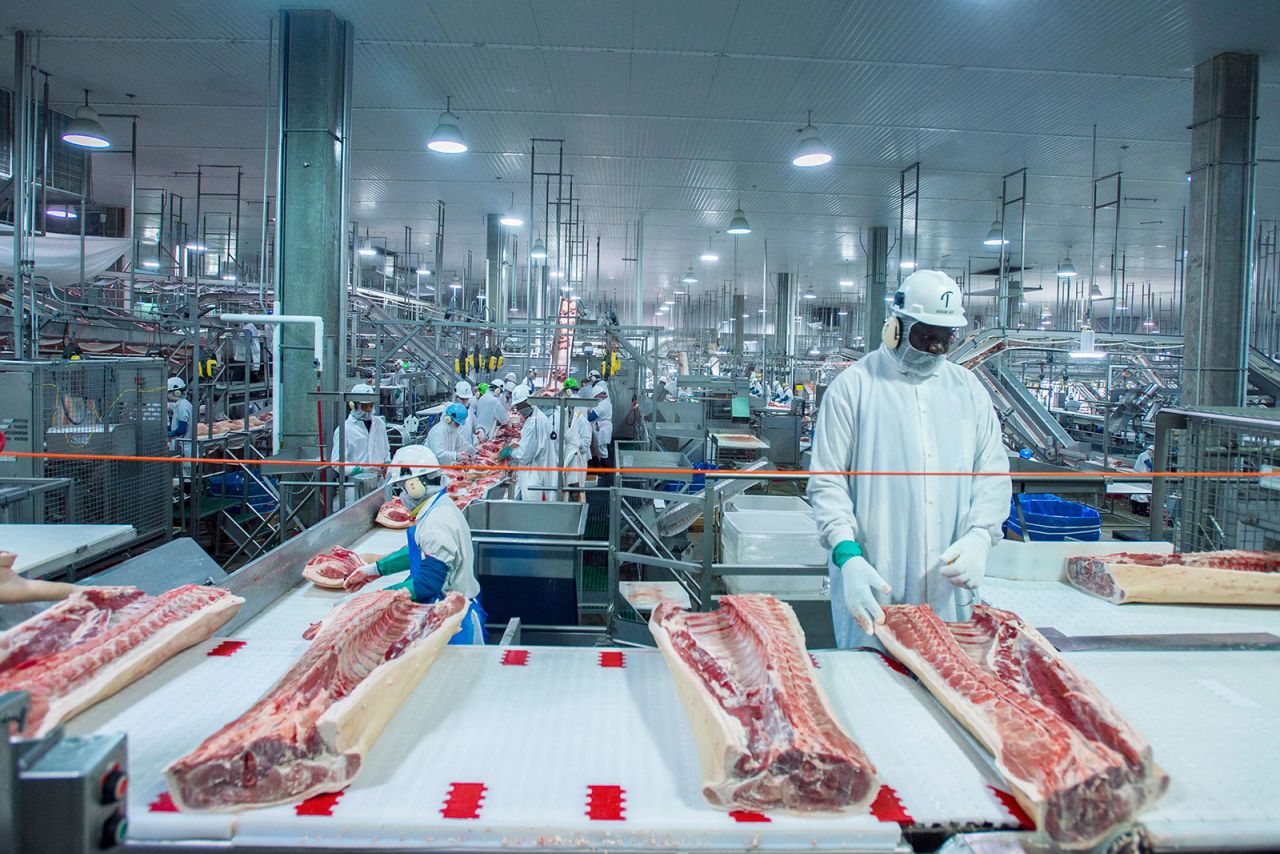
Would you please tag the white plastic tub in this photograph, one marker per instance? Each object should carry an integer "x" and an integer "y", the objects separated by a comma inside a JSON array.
[{"x": 772, "y": 538}]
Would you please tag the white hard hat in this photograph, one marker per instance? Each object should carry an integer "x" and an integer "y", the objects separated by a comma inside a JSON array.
[
  {"x": 362, "y": 388},
  {"x": 519, "y": 395},
  {"x": 931, "y": 297},
  {"x": 595, "y": 375},
  {"x": 509, "y": 385},
  {"x": 511, "y": 378},
  {"x": 412, "y": 461},
  {"x": 175, "y": 384},
  {"x": 462, "y": 389}
]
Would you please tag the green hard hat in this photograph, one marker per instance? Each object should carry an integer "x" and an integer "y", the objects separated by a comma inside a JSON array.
[
  {"x": 482, "y": 388},
  {"x": 571, "y": 383}
]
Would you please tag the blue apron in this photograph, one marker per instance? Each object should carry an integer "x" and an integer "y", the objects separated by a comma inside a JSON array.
[{"x": 427, "y": 576}]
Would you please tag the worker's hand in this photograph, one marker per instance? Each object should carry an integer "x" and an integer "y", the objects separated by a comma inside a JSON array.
[
  {"x": 964, "y": 563},
  {"x": 505, "y": 453},
  {"x": 361, "y": 577},
  {"x": 355, "y": 470},
  {"x": 861, "y": 583}
]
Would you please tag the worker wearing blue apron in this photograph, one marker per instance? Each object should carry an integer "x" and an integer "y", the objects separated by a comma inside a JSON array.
[{"x": 438, "y": 554}]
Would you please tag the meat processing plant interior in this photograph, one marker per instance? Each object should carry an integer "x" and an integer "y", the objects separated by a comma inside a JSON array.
[{"x": 634, "y": 426}]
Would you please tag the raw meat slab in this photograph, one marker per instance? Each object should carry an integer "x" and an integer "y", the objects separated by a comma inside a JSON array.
[
  {"x": 767, "y": 736},
  {"x": 1076, "y": 766},
  {"x": 1208, "y": 578}
]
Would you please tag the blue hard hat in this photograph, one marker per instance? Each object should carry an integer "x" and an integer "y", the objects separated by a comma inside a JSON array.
[
  {"x": 1025, "y": 453},
  {"x": 457, "y": 412}
]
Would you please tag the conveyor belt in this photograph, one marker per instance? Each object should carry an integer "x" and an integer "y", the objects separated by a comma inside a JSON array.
[{"x": 1057, "y": 605}]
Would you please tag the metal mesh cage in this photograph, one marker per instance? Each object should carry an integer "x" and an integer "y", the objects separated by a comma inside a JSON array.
[
  {"x": 108, "y": 407},
  {"x": 1221, "y": 513}
]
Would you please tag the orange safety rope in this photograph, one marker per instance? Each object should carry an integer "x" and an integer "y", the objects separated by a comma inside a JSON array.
[{"x": 1233, "y": 475}]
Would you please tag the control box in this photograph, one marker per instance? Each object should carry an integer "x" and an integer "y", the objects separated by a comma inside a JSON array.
[{"x": 72, "y": 798}]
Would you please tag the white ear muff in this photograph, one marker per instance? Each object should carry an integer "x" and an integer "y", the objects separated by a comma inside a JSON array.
[{"x": 891, "y": 332}]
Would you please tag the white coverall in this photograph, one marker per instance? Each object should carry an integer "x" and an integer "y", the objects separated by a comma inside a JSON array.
[
  {"x": 490, "y": 412},
  {"x": 577, "y": 447},
  {"x": 448, "y": 442},
  {"x": 875, "y": 418},
  {"x": 366, "y": 443},
  {"x": 536, "y": 448},
  {"x": 603, "y": 423}
]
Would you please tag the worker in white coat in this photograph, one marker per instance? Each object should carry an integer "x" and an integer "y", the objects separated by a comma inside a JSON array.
[
  {"x": 531, "y": 381},
  {"x": 462, "y": 394},
  {"x": 448, "y": 439},
  {"x": 366, "y": 442},
  {"x": 577, "y": 445},
  {"x": 908, "y": 539},
  {"x": 601, "y": 418},
  {"x": 438, "y": 554},
  {"x": 1144, "y": 462},
  {"x": 181, "y": 416},
  {"x": 536, "y": 447},
  {"x": 490, "y": 412}
]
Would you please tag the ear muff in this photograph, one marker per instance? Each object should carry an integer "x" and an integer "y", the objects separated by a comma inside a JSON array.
[{"x": 891, "y": 332}]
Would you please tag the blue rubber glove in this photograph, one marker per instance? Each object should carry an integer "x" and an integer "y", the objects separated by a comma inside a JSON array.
[
  {"x": 845, "y": 550},
  {"x": 592, "y": 416},
  {"x": 504, "y": 454}
]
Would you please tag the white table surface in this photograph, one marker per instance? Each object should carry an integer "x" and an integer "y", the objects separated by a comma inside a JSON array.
[{"x": 45, "y": 549}]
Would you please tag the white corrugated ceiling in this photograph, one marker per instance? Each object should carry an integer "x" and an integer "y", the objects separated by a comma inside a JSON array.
[{"x": 679, "y": 108}]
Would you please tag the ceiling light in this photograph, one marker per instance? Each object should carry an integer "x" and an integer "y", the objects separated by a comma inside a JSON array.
[
  {"x": 668, "y": 302},
  {"x": 423, "y": 271},
  {"x": 229, "y": 277},
  {"x": 539, "y": 250},
  {"x": 812, "y": 150},
  {"x": 555, "y": 274},
  {"x": 511, "y": 219},
  {"x": 1095, "y": 291},
  {"x": 846, "y": 283},
  {"x": 745, "y": 316},
  {"x": 85, "y": 131},
  {"x": 1066, "y": 269},
  {"x": 809, "y": 294},
  {"x": 995, "y": 235},
  {"x": 739, "y": 224},
  {"x": 62, "y": 213},
  {"x": 446, "y": 138},
  {"x": 151, "y": 265},
  {"x": 760, "y": 310},
  {"x": 842, "y": 312},
  {"x": 455, "y": 285},
  {"x": 907, "y": 264},
  {"x": 689, "y": 277},
  {"x": 709, "y": 256},
  {"x": 366, "y": 249}
]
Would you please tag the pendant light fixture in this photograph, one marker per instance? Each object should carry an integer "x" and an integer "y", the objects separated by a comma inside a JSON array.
[
  {"x": 812, "y": 151},
  {"x": 1066, "y": 269},
  {"x": 511, "y": 219},
  {"x": 366, "y": 248},
  {"x": 689, "y": 277},
  {"x": 85, "y": 131},
  {"x": 709, "y": 256},
  {"x": 739, "y": 224},
  {"x": 1095, "y": 291},
  {"x": 995, "y": 235},
  {"x": 446, "y": 138},
  {"x": 539, "y": 250},
  {"x": 809, "y": 293}
]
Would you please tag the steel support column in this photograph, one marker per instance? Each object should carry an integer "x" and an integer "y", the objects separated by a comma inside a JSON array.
[
  {"x": 1220, "y": 230},
  {"x": 784, "y": 317},
  {"x": 877, "y": 285},
  {"x": 494, "y": 241},
  {"x": 316, "y": 51},
  {"x": 739, "y": 322}
]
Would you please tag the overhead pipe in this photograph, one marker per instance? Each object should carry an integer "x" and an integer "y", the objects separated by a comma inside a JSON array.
[{"x": 278, "y": 320}]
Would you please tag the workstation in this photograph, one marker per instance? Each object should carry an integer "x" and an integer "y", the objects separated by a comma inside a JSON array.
[{"x": 463, "y": 428}]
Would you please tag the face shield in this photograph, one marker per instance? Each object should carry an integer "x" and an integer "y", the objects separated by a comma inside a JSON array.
[
  {"x": 923, "y": 348},
  {"x": 363, "y": 411}
]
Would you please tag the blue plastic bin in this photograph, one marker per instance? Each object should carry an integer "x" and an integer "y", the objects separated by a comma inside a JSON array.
[
  {"x": 1052, "y": 519},
  {"x": 232, "y": 485}
]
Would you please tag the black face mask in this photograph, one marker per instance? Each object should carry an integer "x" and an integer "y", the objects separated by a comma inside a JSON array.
[{"x": 931, "y": 339}]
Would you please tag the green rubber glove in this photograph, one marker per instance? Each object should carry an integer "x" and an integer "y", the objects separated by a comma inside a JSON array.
[
  {"x": 397, "y": 561},
  {"x": 504, "y": 454},
  {"x": 844, "y": 550},
  {"x": 355, "y": 471}
]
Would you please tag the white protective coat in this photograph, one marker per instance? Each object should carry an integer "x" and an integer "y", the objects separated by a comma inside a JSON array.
[
  {"x": 536, "y": 448},
  {"x": 604, "y": 426},
  {"x": 448, "y": 442},
  {"x": 443, "y": 533},
  {"x": 874, "y": 418},
  {"x": 578, "y": 447},
  {"x": 490, "y": 412},
  {"x": 366, "y": 443}
]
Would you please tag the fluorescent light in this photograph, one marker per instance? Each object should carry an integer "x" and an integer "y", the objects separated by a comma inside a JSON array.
[
  {"x": 812, "y": 151},
  {"x": 539, "y": 250},
  {"x": 689, "y": 277},
  {"x": 995, "y": 235},
  {"x": 510, "y": 220},
  {"x": 446, "y": 138},
  {"x": 85, "y": 131},
  {"x": 760, "y": 310},
  {"x": 1066, "y": 269},
  {"x": 907, "y": 264},
  {"x": 423, "y": 271},
  {"x": 709, "y": 257},
  {"x": 842, "y": 312},
  {"x": 151, "y": 265},
  {"x": 846, "y": 283},
  {"x": 739, "y": 224},
  {"x": 745, "y": 316},
  {"x": 62, "y": 213}
]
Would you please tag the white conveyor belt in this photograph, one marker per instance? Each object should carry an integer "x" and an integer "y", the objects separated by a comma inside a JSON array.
[
  {"x": 1211, "y": 718},
  {"x": 1055, "y": 604}
]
